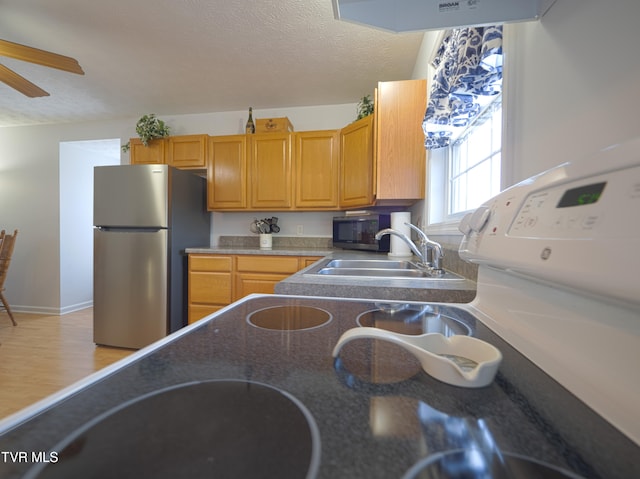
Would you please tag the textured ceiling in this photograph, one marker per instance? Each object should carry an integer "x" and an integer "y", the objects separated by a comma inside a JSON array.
[{"x": 194, "y": 56}]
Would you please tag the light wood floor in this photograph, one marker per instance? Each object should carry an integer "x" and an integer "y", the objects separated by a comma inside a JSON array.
[{"x": 44, "y": 354}]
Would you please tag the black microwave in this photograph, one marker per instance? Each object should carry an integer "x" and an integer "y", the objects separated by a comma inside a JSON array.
[{"x": 359, "y": 232}]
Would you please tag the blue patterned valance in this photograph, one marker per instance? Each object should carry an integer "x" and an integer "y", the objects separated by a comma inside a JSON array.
[{"x": 468, "y": 75}]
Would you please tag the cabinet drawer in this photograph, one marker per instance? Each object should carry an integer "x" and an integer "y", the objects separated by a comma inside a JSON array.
[
  {"x": 199, "y": 311},
  {"x": 210, "y": 263},
  {"x": 261, "y": 283},
  {"x": 267, "y": 264},
  {"x": 205, "y": 287},
  {"x": 308, "y": 261}
]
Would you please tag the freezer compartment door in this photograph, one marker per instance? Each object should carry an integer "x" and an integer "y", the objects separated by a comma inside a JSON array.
[
  {"x": 130, "y": 281},
  {"x": 131, "y": 195}
]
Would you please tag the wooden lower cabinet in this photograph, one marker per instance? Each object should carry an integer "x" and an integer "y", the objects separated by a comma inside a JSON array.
[
  {"x": 210, "y": 287},
  {"x": 218, "y": 280},
  {"x": 259, "y": 274}
]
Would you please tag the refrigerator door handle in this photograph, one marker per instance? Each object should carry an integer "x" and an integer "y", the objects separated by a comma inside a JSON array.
[{"x": 130, "y": 229}]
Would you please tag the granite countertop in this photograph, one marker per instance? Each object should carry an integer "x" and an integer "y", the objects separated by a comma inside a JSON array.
[
  {"x": 376, "y": 412},
  {"x": 396, "y": 289},
  {"x": 274, "y": 251},
  {"x": 282, "y": 246}
]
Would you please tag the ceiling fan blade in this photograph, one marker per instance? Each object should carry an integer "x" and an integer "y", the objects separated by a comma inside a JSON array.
[
  {"x": 41, "y": 57},
  {"x": 19, "y": 83}
]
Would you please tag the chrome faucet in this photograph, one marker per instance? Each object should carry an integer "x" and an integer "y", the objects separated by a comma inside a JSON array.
[{"x": 426, "y": 246}]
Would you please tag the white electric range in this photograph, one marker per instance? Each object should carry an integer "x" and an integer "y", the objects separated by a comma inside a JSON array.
[{"x": 559, "y": 258}]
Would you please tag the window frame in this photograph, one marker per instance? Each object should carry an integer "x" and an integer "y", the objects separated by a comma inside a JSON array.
[{"x": 439, "y": 220}]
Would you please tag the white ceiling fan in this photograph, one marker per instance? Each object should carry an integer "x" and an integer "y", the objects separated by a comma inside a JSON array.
[{"x": 33, "y": 55}]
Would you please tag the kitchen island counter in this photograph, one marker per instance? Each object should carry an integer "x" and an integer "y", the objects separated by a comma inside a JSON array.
[{"x": 377, "y": 413}]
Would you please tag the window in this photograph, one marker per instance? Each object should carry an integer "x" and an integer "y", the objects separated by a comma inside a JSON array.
[
  {"x": 465, "y": 174},
  {"x": 463, "y": 123},
  {"x": 474, "y": 162}
]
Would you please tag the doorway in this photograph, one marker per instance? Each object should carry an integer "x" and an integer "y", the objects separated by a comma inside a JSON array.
[{"x": 77, "y": 161}]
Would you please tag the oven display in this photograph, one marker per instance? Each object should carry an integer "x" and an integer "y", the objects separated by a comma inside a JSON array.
[{"x": 582, "y": 195}]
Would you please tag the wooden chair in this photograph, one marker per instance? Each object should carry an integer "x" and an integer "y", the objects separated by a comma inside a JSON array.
[{"x": 7, "y": 242}]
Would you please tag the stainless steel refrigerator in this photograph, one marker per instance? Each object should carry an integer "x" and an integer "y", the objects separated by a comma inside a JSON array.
[{"x": 144, "y": 217}]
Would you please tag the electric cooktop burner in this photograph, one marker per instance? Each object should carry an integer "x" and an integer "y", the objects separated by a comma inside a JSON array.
[
  {"x": 217, "y": 428},
  {"x": 288, "y": 318},
  {"x": 412, "y": 319},
  {"x": 472, "y": 464}
]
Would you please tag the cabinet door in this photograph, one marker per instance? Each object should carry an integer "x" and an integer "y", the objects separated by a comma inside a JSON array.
[
  {"x": 187, "y": 151},
  {"x": 317, "y": 171},
  {"x": 260, "y": 274},
  {"x": 261, "y": 283},
  {"x": 227, "y": 172},
  {"x": 400, "y": 153},
  {"x": 308, "y": 261},
  {"x": 356, "y": 165},
  {"x": 147, "y": 155},
  {"x": 271, "y": 171},
  {"x": 210, "y": 284},
  {"x": 267, "y": 264}
]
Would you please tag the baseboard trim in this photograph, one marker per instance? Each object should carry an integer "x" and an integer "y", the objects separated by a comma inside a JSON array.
[{"x": 51, "y": 311}]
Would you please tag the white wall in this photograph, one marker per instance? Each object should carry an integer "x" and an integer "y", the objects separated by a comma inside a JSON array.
[
  {"x": 30, "y": 191},
  {"x": 571, "y": 83},
  {"x": 77, "y": 161},
  {"x": 29, "y": 202}
]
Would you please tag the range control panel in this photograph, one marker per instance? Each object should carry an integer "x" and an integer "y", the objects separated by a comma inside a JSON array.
[
  {"x": 577, "y": 225},
  {"x": 576, "y": 211}
]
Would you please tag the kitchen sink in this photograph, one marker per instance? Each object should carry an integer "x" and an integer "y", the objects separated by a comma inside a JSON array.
[
  {"x": 370, "y": 263},
  {"x": 378, "y": 269}
]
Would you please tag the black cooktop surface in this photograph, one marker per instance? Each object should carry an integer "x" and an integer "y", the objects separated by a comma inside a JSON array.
[{"x": 378, "y": 414}]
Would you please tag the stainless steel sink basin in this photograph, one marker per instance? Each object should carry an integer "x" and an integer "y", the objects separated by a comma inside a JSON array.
[
  {"x": 363, "y": 268},
  {"x": 386, "y": 273},
  {"x": 370, "y": 263}
]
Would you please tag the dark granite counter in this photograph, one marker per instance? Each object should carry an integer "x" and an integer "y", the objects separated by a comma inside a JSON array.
[
  {"x": 274, "y": 251},
  {"x": 377, "y": 413},
  {"x": 394, "y": 289}
]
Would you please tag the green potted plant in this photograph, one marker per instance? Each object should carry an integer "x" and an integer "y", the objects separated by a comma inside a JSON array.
[
  {"x": 148, "y": 128},
  {"x": 365, "y": 107}
]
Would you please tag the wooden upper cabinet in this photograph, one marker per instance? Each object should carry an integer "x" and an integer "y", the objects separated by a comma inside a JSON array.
[
  {"x": 400, "y": 154},
  {"x": 357, "y": 164},
  {"x": 227, "y": 172},
  {"x": 271, "y": 171},
  {"x": 187, "y": 151},
  {"x": 146, "y": 155},
  {"x": 316, "y": 169}
]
